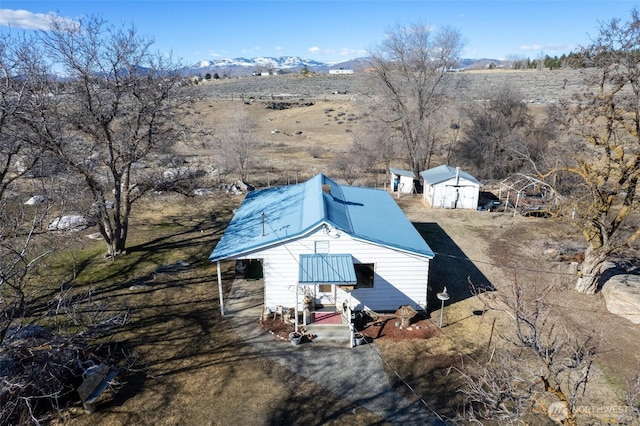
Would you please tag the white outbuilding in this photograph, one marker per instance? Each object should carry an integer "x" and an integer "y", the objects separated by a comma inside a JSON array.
[
  {"x": 402, "y": 181},
  {"x": 450, "y": 188}
]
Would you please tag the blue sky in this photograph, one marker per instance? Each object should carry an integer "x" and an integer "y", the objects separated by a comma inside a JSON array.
[{"x": 333, "y": 30}]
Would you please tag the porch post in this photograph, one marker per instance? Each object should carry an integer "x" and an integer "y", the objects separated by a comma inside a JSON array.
[
  {"x": 220, "y": 288},
  {"x": 296, "y": 309},
  {"x": 351, "y": 331}
]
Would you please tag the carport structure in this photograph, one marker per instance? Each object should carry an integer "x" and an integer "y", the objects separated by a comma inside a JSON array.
[{"x": 526, "y": 194}]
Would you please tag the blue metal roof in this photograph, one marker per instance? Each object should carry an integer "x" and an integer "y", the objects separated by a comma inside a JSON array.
[
  {"x": 401, "y": 172},
  {"x": 326, "y": 269},
  {"x": 275, "y": 215},
  {"x": 443, "y": 173}
]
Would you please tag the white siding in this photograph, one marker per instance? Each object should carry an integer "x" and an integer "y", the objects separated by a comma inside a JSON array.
[
  {"x": 400, "y": 278},
  {"x": 447, "y": 195},
  {"x": 405, "y": 183}
]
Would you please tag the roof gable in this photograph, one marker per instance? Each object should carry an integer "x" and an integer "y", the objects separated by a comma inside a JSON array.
[
  {"x": 275, "y": 215},
  {"x": 445, "y": 172},
  {"x": 401, "y": 172}
]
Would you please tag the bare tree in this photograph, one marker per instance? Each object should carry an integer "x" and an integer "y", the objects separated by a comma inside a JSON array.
[
  {"x": 606, "y": 157},
  {"x": 236, "y": 141},
  {"x": 544, "y": 369},
  {"x": 117, "y": 108},
  {"x": 632, "y": 398},
  {"x": 347, "y": 167},
  {"x": 373, "y": 145},
  {"x": 500, "y": 135},
  {"x": 18, "y": 73},
  {"x": 410, "y": 67}
]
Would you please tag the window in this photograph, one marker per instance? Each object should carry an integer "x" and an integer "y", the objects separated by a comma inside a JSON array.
[
  {"x": 322, "y": 247},
  {"x": 364, "y": 274},
  {"x": 324, "y": 288}
]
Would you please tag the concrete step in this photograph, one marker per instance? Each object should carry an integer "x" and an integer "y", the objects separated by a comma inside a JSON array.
[{"x": 329, "y": 333}]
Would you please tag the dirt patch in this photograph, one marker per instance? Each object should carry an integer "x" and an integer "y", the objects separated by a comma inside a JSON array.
[
  {"x": 278, "y": 328},
  {"x": 383, "y": 327},
  {"x": 389, "y": 327}
]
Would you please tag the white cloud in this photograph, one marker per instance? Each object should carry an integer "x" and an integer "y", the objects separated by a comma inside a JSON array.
[
  {"x": 352, "y": 53},
  {"x": 23, "y": 19},
  {"x": 251, "y": 50},
  {"x": 550, "y": 47},
  {"x": 531, "y": 47},
  {"x": 321, "y": 51},
  {"x": 278, "y": 48},
  {"x": 344, "y": 52},
  {"x": 560, "y": 47}
]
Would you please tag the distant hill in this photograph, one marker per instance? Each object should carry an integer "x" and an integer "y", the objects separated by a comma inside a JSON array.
[{"x": 235, "y": 67}]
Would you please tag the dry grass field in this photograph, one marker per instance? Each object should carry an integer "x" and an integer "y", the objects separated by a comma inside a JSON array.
[{"x": 194, "y": 370}]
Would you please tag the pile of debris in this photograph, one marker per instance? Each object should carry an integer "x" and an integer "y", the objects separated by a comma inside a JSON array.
[{"x": 42, "y": 372}]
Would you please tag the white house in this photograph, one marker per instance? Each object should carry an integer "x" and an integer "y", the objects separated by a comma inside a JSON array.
[
  {"x": 402, "y": 181},
  {"x": 341, "y": 71},
  {"x": 341, "y": 245},
  {"x": 450, "y": 188}
]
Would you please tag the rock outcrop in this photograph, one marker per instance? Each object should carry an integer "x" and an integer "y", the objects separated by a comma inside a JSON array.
[{"x": 622, "y": 295}]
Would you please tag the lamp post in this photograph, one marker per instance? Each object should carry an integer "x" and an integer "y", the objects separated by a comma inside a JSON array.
[{"x": 444, "y": 296}]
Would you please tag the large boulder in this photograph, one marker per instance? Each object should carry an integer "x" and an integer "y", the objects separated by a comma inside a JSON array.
[
  {"x": 622, "y": 295},
  {"x": 36, "y": 200},
  {"x": 69, "y": 223}
]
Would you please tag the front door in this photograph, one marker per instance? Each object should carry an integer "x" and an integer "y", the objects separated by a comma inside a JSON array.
[{"x": 325, "y": 295}]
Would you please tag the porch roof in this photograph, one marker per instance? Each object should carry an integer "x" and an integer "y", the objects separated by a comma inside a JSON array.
[{"x": 326, "y": 269}]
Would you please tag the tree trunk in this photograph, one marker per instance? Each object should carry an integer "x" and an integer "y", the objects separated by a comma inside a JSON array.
[{"x": 589, "y": 280}]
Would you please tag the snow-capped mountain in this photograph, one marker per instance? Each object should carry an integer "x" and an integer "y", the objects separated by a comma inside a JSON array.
[
  {"x": 280, "y": 62},
  {"x": 248, "y": 66},
  {"x": 234, "y": 67}
]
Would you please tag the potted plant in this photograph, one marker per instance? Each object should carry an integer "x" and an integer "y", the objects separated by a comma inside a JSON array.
[
  {"x": 295, "y": 337},
  {"x": 358, "y": 338}
]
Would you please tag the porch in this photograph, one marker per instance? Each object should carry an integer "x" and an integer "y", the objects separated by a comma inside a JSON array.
[
  {"x": 326, "y": 324},
  {"x": 329, "y": 325}
]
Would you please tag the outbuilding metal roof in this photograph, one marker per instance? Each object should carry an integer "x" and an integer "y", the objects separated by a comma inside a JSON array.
[
  {"x": 444, "y": 173},
  {"x": 400, "y": 172},
  {"x": 275, "y": 215}
]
